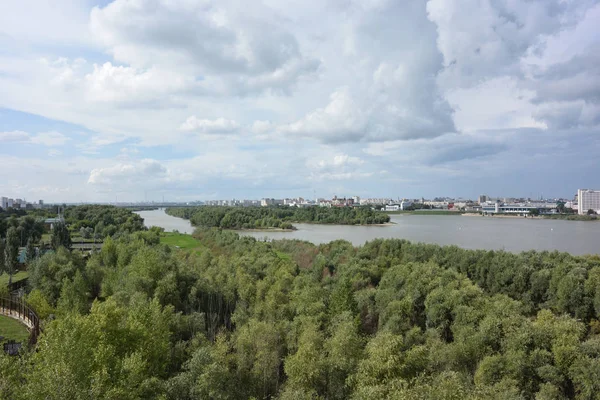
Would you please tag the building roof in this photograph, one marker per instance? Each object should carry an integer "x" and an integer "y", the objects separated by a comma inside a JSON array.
[{"x": 53, "y": 220}]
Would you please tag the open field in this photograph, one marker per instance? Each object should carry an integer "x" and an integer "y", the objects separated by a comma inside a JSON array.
[
  {"x": 12, "y": 329},
  {"x": 183, "y": 241},
  {"x": 16, "y": 277}
]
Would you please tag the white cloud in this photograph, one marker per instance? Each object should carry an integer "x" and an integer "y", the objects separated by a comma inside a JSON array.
[
  {"x": 13, "y": 136},
  {"x": 262, "y": 127},
  {"x": 341, "y": 120},
  {"x": 111, "y": 83},
  {"x": 50, "y": 139},
  {"x": 206, "y": 38},
  {"x": 336, "y": 167},
  {"x": 490, "y": 39},
  {"x": 128, "y": 173},
  {"x": 216, "y": 126}
]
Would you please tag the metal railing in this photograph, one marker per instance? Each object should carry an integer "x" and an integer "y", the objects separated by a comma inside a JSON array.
[{"x": 16, "y": 308}]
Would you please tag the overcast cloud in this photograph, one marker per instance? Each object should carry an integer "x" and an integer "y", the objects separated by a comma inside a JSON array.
[{"x": 203, "y": 99}]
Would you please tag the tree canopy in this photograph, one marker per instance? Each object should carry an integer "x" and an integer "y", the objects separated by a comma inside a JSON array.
[
  {"x": 240, "y": 318},
  {"x": 276, "y": 217}
]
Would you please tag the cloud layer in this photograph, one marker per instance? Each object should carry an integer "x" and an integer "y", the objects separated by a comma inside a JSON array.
[{"x": 216, "y": 99}]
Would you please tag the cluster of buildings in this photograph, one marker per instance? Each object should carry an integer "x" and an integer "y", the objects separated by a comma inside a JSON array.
[
  {"x": 6, "y": 203},
  {"x": 585, "y": 200}
]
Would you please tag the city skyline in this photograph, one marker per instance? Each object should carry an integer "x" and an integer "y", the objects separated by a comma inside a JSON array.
[
  {"x": 288, "y": 98},
  {"x": 150, "y": 200}
]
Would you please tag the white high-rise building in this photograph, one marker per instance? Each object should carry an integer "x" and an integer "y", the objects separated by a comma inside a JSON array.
[
  {"x": 588, "y": 199},
  {"x": 4, "y": 203},
  {"x": 10, "y": 203}
]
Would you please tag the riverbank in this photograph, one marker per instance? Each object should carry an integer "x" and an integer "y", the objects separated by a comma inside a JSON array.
[
  {"x": 573, "y": 217},
  {"x": 502, "y": 216},
  {"x": 260, "y": 229},
  {"x": 424, "y": 212}
]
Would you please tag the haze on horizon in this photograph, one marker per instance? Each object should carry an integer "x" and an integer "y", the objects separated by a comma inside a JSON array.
[{"x": 203, "y": 99}]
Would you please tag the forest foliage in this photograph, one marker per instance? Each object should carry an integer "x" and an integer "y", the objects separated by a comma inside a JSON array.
[
  {"x": 241, "y": 318},
  {"x": 103, "y": 219},
  {"x": 276, "y": 217}
]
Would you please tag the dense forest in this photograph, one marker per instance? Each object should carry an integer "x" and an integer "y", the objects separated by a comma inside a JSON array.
[
  {"x": 276, "y": 217},
  {"x": 239, "y": 318},
  {"x": 103, "y": 220}
]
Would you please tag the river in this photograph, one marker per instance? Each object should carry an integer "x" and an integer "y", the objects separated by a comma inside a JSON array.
[{"x": 511, "y": 234}]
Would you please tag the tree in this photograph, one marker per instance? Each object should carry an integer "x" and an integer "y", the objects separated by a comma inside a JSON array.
[
  {"x": 591, "y": 212},
  {"x": 2, "y": 246},
  {"x": 60, "y": 236},
  {"x": 30, "y": 250},
  {"x": 11, "y": 252},
  {"x": 534, "y": 212},
  {"x": 560, "y": 207},
  {"x": 86, "y": 232}
]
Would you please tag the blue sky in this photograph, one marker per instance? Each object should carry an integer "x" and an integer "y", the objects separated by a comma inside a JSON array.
[{"x": 203, "y": 99}]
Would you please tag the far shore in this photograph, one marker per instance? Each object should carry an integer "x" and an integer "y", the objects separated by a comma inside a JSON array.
[
  {"x": 262, "y": 230},
  {"x": 308, "y": 223},
  {"x": 501, "y": 216}
]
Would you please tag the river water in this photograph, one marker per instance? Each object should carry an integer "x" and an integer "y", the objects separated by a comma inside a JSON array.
[{"x": 511, "y": 234}]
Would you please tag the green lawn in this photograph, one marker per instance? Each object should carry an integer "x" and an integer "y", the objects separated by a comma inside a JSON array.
[
  {"x": 16, "y": 277},
  {"x": 183, "y": 241},
  {"x": 12, "y": 329}
]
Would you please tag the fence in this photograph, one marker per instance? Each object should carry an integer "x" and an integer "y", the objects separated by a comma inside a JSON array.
[{"x": 15, "y": 307}]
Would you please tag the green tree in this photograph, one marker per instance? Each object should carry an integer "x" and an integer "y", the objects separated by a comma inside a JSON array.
[
  {"x": 11, "y": 252},
  {"x": 61, "y": 236},
  {"x": 86, "y": 232},
  {"x": 30, "y": 250},
  {"x": 73, "y": 295},
  {"x": 2, "y": 248},
  {"x": 306, "y": 369},
  {"x": 591, "y": 212},
  {"x": 534, "y": 212},
  {"x": 344, "y": 351}
]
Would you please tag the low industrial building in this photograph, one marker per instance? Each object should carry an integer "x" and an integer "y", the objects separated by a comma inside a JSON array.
[{"x": 517, "y": 209}]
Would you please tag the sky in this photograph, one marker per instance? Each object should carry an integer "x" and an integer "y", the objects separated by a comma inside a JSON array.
[{"x": 199, "y": 99}]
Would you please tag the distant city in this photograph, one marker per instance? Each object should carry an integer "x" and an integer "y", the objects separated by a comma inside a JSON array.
[
  {"x": 6, "y": 203},
  {"x": 585, "y": 201}
]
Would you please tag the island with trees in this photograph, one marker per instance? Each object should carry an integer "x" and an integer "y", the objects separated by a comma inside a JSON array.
[
  {"x": 276, "y": 217},
  {"x": 230, "y": 317}
]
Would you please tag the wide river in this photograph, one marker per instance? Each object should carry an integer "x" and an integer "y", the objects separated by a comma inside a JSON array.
[{"x": 511, "y": 234}]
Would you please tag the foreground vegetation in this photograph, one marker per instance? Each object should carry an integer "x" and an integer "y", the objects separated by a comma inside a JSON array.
[
  {"x": 276, "y": 217},
  {"x": 229, "y": 317}
]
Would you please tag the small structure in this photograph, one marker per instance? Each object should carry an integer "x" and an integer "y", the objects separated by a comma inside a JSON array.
[
  {"x": 50, "y": 222},
  {"x": 12, "y": 348}
]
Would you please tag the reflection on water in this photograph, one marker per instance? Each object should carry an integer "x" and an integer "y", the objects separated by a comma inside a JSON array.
[{"x": 512, "y": 234}]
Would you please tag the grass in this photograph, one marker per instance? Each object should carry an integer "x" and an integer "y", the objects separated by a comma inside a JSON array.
[
  {"x": 183, "y": 241},
  {"x": 16, "y": 277},
  {"x": 282, "y": 255},
  {"x": 12, "y": 329}
]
